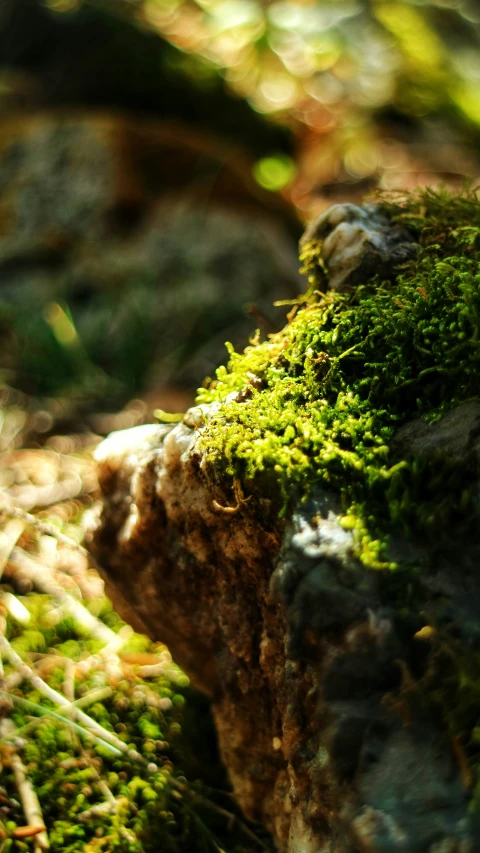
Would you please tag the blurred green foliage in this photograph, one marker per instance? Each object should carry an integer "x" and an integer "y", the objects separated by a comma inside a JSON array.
[{"x": 371, "y": 90}]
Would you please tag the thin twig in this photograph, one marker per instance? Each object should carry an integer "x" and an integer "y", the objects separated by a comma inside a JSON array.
[
  {"x": 69, "y": 680},
  {"x": 154, "y": 670},
  {"x": 232, "y": 818},
  {"x": 103, "y": 787},
  {"x": 11, "y": 533},
  {"x": 109, "y": 806},
  {"x": 95, "y": 696},
  {"x": 48, "y": 712},
  {"x": 29, "y": 800},
  {"x": 42, "y": 526}
]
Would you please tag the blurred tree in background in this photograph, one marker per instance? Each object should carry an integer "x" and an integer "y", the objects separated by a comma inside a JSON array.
[{"x": 128, "y": 209}]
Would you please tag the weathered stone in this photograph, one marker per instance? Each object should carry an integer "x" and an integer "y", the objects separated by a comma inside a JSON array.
[
  {"x": 358, "y": 242},
  {"x": 457, "y": 435},
  {"x": 297, "y": 645},
  {"x": 229, "y": 636}
]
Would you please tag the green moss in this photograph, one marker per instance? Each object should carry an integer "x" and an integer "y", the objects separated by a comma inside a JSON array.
[
  {"x": 66, "y": 774},
  {"x": 155, "y": 807},
  {"x": 320, "y": 401}
]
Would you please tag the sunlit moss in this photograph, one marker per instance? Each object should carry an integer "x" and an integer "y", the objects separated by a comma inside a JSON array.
[{"x": 320, "y": 401}]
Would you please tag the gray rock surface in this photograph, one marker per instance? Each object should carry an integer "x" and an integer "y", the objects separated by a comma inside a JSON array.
[
  {"x": 457, "y": 434},
  {"x": 358, "y": 242}
]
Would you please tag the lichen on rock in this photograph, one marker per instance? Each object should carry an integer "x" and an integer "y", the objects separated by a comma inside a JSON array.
[{"x": 308, "y": 547}]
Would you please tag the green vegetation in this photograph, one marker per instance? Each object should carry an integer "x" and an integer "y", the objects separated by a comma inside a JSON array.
[
  {"x": 115, "y": 788},
  {"x": 98, "y": 725},
  {"x": 69, "y": 777},
  {"x": 320, "y": 401}
]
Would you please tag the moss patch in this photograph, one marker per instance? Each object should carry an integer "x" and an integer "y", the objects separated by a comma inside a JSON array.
[
  {"x": 150, "y": 804},
  {"x": 320, "y": 401},
  {"x": 68, "y": 777}
]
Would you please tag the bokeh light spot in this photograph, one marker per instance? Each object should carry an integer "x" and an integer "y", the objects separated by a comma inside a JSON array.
[{"x": 274, "y": 173}]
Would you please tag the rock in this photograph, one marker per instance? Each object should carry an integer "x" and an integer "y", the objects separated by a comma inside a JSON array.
[
  {"x": 294, "y": 643},
  {"x": 358, "y": 242},
  {"x": 457, "y": 435},
  {"x": 344, "y": 686},
  {"x": 150, "y": 476}
]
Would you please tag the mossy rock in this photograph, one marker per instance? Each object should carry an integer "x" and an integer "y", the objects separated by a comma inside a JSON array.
[
  {"x": 322, "y": 401},
  {"x": 316, "y": 515}
]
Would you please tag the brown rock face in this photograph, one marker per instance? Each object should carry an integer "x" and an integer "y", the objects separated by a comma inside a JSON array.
[
  {"x": 201, "y": 581},
  {"x": 325, "y": 731}
]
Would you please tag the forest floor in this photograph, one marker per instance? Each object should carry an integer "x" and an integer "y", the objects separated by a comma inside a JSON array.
[{"x": 91, "y": 713}]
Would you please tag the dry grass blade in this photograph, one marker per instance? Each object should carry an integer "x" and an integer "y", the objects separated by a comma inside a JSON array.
[
  {"x": 16, "y": 734},
  {"x": 90, "y": 725},
  {"x": 94, "y": 696},
  {"x": 29, "y": 800},
  {"x": 43, "y": 578},
  {"x": 10, "y": 535},
  {"x": 42, "y": 526},
  {"x": 69, "y": 680}
]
